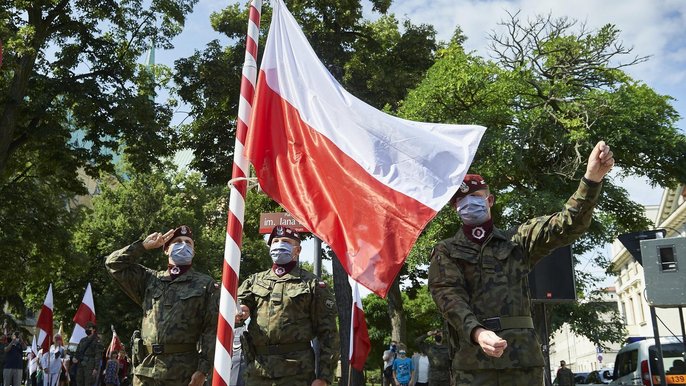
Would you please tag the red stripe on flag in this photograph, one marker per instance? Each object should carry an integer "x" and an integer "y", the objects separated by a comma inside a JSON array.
[
  {"x": 361, "y": 343},
  {"x": 45, "y": 320},
  {"x": 370, "y": 226},
  {"x": 83, "y": 315}
]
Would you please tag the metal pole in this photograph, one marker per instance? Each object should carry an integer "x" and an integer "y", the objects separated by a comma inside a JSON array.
[
  {"x": 318, "y": 257},
  {"x": 546, "y": 347},
  {"x": 658, "y": 345},
  {"x": 683, "y": 331}
]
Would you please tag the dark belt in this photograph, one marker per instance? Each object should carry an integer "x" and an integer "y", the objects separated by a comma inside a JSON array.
[
  {"x": 160, "y": 348},
  {"x": 508, "y": 322},
  {"x": 276, "y": 349}
]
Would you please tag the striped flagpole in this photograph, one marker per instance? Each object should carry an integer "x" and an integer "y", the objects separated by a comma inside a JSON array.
[{"x": 234, "y": 226}]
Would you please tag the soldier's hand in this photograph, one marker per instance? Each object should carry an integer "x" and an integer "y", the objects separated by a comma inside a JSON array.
[
  {"x": 319, "y": 382},
  {"x": 491, "y": 344},
  {"x": 243, "y": 314},
  {"x": 197, "y": 379},
  {"x": 599, "y": 162},
  {"x": 157, "y": 239}
]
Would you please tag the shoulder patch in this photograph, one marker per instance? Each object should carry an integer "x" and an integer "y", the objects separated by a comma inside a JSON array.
[{"x": 329, "y": 304}]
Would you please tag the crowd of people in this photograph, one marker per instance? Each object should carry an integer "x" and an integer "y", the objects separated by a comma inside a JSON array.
[
  {"x": 429, "y": 366},
  {"x": 85, "y": 365}
]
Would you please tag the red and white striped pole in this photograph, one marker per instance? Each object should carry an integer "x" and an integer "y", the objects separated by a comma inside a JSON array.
[{"x": 234, "y": 226}]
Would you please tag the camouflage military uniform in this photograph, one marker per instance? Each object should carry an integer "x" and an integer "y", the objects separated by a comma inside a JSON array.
[
  {"x": 179, "y": 319},
  {"x": 287, "y": 312},
  {"x": 439, "y": 361},
  {"x": 472, "y": 283},
  {"x": 89, "y": 353}
]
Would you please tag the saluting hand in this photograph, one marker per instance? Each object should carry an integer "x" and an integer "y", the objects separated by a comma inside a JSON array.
[
  {"x": 157, "y": 239},
  {"x": 599, "y": 162}
]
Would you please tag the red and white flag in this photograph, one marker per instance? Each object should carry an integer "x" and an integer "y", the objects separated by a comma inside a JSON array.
[
  {"x": 44, "y": 323},
  {"x": 115, "y": 344},
  {"x": 360, "y": 345},
  {"x": 34, "y": 346},
  {"x": 363, "y": 181},
  {"x": 84, "y": 314}
]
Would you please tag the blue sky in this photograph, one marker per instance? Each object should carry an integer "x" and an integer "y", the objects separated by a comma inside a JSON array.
[{"x": 652, "y": 27}]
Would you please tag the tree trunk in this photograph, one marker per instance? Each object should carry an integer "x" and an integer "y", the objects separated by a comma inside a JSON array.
[
  {"x": 396, "y": 312},
  {"x": 344, "y": 303}
]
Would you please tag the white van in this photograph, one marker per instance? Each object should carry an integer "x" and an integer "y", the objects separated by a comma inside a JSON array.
[{"x": 636, "y": 363}]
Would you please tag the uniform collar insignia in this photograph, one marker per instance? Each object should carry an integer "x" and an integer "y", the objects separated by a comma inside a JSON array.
[{"x": 478, "y": 233}]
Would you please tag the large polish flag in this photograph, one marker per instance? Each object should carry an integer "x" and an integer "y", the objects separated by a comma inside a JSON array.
[
  {"x": 84, "y": 314},
  {"x": 44, "y": 323},
  {"x": 360, "y": 345},
  {"x": 363, "y": 181}
]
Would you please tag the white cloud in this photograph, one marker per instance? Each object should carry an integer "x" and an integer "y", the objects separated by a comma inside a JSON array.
[{"x": 651, "y": 28}]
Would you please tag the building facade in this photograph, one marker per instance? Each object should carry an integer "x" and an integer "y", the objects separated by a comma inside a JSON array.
[{"x": 629, "y": 294}]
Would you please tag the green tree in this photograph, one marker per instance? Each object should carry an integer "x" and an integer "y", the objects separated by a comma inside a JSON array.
[
  {"x": 71, "y": 96},
  {"x": 552, "y": 93},
  {"x": 64, "y": 76}
]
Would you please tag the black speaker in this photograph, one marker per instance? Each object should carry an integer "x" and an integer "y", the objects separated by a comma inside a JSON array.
[
  {"x": 632, "y": 241},
  {"x": 552, "y": 279}
]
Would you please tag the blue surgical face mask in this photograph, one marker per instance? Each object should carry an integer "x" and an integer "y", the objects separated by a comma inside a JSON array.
[
  {"x": 181, "y": 254},
  {"x": 281, "y": 252},
  {"x": 473, "y": 210}
]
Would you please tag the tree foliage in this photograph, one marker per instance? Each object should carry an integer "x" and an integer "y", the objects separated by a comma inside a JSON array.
[
  {"x": 71, "y": 97},
  {"x": 549, "y": 96}
]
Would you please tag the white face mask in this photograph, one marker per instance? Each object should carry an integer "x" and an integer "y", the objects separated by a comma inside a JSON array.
[
  {"x": 281, "y": 252},
  {"x": 181, "y": 254},
  {"x": 473, "y": 210}
]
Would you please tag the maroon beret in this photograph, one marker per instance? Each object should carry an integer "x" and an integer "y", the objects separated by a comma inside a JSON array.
[
  {"x": 282, "y": 231},
  {"x": 183, "y": 230},
  {"x": 470, "y": 184}
]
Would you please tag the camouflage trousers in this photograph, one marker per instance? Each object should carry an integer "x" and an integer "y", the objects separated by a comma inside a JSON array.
[
  {"x": 531, "y": 376},
  {"x": 291, "y": 380},
  {"x": 139, "y": 380},
  {"x": 84, "y": 375}
]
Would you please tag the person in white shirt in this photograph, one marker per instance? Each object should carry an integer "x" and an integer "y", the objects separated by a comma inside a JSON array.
[
  {"x": 421, "y": 374},
  {"x": 52, "y": 362},
  {"x": 388, "y": 357}
]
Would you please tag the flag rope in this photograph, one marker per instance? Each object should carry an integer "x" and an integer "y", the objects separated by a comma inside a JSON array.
[{"x": 234, "y": 227}]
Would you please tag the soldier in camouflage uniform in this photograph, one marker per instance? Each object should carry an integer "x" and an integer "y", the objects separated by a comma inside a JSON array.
[
  {"x": 439, "y": 358},
  {"x": 288, "y": 307},
  {"x": 88, "y": 356},
  {"x": 478, "y": 280},
  {"x": 180, "y": 308}
]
